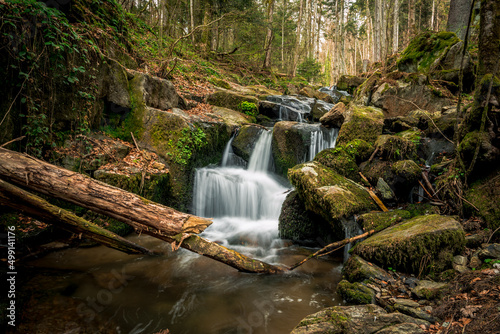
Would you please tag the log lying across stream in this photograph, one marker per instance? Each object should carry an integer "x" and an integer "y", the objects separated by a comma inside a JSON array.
[{"x": 145, "y": 216}]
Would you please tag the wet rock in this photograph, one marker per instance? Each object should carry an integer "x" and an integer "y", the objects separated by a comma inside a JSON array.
[
  {"x": 362, "y": 95},
  {"x": 357, "y": 269},
  {"x": 313, "y": 93},
  {"x": 490, "y": 252},
  {"x": 385, "y": 191},
  {"x": 300, "y": 225},
  {"x": 365, "y": 319},
  {"x": 408, "y": 170},
  {"x": 269, "y": 109},
  {"x": 244, "y": 143},
  {"x": 229, "y": 99},
  {"x": 380, "y": 220},
  {"x": 340, "y": 161},
  {"x": 364, "y": 123},
  {"x": 319, "y": 109},
  {"x": 433, "y": 238},
  {"x": 335, "y": 117},
  {"x": 355, "y": 293},
  {"x": 327, "y": 193},
  {"x": 429, "y": 290},
  {"x": 231, "y": 118}
]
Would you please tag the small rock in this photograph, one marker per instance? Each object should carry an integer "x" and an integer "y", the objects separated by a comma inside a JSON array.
[
  {"x": 460, "y": 260},
  {"x": 406, "y": 302},
  {"x": 335, "y": 117},
  {"x": 411, "y": 282},
  {"x": 490, "y": 252},
  {"x": 460, "y": 268},
  {"x": 415, "y": 313},
  {"x": 429, "y": 289},
  {"x": 475, "y": 262}
]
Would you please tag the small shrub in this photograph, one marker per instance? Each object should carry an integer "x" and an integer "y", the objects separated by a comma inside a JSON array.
[{"x": 248, "y": 108}]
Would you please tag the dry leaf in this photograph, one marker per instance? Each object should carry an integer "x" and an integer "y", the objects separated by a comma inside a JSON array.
[{"x": 475, "y": 280}]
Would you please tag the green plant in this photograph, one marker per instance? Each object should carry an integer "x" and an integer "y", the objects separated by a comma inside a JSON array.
[
  {"x": 248, "y": 108},
  {"x": 309, "y": 69}
]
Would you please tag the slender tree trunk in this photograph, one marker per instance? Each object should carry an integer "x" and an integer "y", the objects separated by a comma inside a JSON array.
[
  {"x": 297, "y": 41},
  {"x": 319, "y": 28},
  {"x": 269, "y": 35},
  {"x": 283, "y": 35},
  {"x": 411, "y": 21},
  {"x": 377, "y": 31},
  {"x": 191, "y": 15},
  {"x": 395, "y": 28}
]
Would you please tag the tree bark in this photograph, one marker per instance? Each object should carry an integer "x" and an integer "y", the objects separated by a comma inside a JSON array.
[
  {"x": 395, "y": 28},
  {"x": 297, "y": 40},
  {"x": 458, "y": 16},
  {"x": 95, "y": 195},
  {"x": 39, "y": 208},
  {"x": 269, "y": 35}
]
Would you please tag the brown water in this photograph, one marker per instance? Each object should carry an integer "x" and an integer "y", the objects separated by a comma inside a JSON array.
[{"x": 188, "y": 293}]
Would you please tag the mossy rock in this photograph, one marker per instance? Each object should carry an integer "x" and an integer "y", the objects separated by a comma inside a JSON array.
[
  {"x": 362, "y": 94},
  {"x": 290, "y": 144},
  {"x": 425, "y": 50},
  {"x": 232, "y": 118},
  {"x": 487, "y": 152},
  {"x": 420, "y": 209},
  {"x": 485, "y": 195},
  {"x": 408, "y": 170},
  {"x": 413, "y": 135},
  {"x": 355, "y": 293},
  {"x": 395, "y": 148},
  {"x": 220, "y": 83},
  {"x": 357, "y": 269},
  {"x": 315, "y": 94},
  {"x": 329, "y": 194},
  {"x": 229, "y": 99},
  {"x": 380, "y": 220},
  {"x": 423, "y": 244},
  {"x": 244, "y": 143},
  {"x": 364, "y": 123},
  {"x": 298, "y": 224},
  {"x": 429, "y": 290},
  {"x": 359, "y": 149},
  {"x": 349, "y": 83},
  {"x": 340, "y": 161},
  {"x": 367, "y": 319}
]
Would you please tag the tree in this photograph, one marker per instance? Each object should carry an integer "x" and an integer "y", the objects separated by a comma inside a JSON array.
[
  {"x": 269, "y": 35},
  {"x": 395, "y": 27},
  {"x": 458, "y": 17},
  {"x": 297, "y": 40},
  {"x": 309, "y": 69}
]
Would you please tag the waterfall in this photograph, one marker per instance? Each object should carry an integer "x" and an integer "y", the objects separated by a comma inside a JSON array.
[
  {"x": 351, "y": 229},
  {"x": 245, "y": 203},
  {"x": 322, "y": 139},
  {"x": 261, "y": 158},
  {"x": 229, "y": 158}
]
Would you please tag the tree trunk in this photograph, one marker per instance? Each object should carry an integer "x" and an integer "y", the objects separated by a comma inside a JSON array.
[
  {"x": 283, "y": 35},
  {"x": 39, "y": 208},
  {"x": 191, "y": 16},
  {"x": 458, "y": 16},
  {"x": 319, "y": 28},
  {"x": 377, "y": 31},
  {"x": 297, "y": 40},
  {"x": 395, "y": 28},
  {"x": 269, "y": 35},
  {"x": 489, "y": 37},
  {"x": 95, "y": 195},
  {"x": 411, "y": 21}
]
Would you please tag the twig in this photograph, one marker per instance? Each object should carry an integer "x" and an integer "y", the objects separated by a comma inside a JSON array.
[
  {"x": 13, "y": 140},
  {"x": 374, "y": 196},
  {"x": 327, "y": 249},
  {"x": 428, "y": 183},
  {"x": 425, "y": 189},
  {"x": 495, "y": 231}
]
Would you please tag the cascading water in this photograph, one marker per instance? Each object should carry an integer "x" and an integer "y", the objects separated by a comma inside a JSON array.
[
  {"x": 245, "y": 203},
  {"x": 322, "y": 139}
]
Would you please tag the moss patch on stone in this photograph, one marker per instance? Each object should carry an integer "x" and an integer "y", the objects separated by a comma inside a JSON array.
[
  {"x": 485, "y": 195},
  {"x": 381, "y": 220},
  {"x": 327, "y": 193},
  {"x": 407, "y": 169},
  {"x": 395, "y": 148},
  {"x": 230, "y": 99},
  {"x": 355, "y": 293},
  {"x": 340, "y": 161},
  {"x": 420, "y": 245},
  {"x": 288, "y": 146},
  {"x": 363, "y": 123},
  {"x": 357, "y": 269}
]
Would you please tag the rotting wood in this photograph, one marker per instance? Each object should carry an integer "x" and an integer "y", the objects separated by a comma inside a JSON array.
[
  {"x": 39, "y": 208},
  {"x": 373, "y": 195},
  {"x": 327, "y": 249},
  {"x": 97, "y": 196}
]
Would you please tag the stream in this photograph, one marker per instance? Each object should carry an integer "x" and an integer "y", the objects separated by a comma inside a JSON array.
[{"x": 188, "y": 293}]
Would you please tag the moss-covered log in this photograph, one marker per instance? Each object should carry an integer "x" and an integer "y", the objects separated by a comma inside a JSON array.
[
  {"x": 39, "y": 208},
  {"x": 96, "y": 196}
]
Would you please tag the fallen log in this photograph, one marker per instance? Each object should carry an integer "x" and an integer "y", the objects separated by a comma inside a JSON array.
[
  {"x": 331, "y": 247},
  {"x": 39, "y": 208},
  {"x": 174, "y": 227},
  {"x": 97, "y": 196}
]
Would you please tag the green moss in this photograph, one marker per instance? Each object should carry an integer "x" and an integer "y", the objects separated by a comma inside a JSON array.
[
  {"x": 408, "y": 170},
  {"x": 420, "y": 245},
  {"x": 229, "y": 99},
  {"x": 395, "y": 147},
  {"x": 381, "y": 220},
  {"x": 484, "y": 194},
  {"x": 364, "y": 123},
  {"x": 355, "y": 293},
  {"x": 339, "y": 160},
  {"x": 220, "y": 83},
  {"x": 414, "y": 136},
  {"x": 468, "y": 145},
  {"x": 288, "y": 146},
  {"x": 424, "y": 50}
]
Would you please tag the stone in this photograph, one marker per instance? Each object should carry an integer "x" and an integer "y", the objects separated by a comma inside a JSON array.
[
  {"x": 355, "y": 293},
  {"x": 319, "y": 109},
  {"x": 491, "y": 251},
  {"x": 335, "y": 117},
  {"x": 395, "y": 148},
  {"x": 485, "y": 196},
  {"x": 310, "y": 92},
  {"x": 300, "y": 225},
  {"x": 460, "y": 268},
  {"x": 244, "y": 143},
  {"x": 229, "y": 99},
  {"x": 460, "y": 260},
  {"x": 475, "y": 262},
  {"x": 364, "y": 123},
  {"x": 433, "y": 239},
  {"x": 381, "y": 220},
  {"x": 327, "y": 193},
  {"x": 385, "y": 191},
  {"x": 357, "y": 269},
  {"x": 349, "y": 83},
  {"x": 340, "y": 161},
  {"x": 232, "y": 118},
  {"x": 405, "y": 328},
  {"x": 429, "y": 290},
  {"x": 365, "y": 319},
  {"x": 414, "y": 312},
  {"x": 406, "y": 302}
]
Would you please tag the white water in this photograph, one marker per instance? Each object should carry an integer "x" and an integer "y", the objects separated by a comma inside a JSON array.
[
  {"x": 245, "y": 203},
  {"x": 322, "y": 139}
]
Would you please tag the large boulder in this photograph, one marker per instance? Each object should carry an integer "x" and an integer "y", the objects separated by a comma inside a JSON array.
[
  {"x": 335, "y": 117},
  {"x": 419, "y": 245},
  {"x": 364, "y": 123},
  {"x": 362, "y": 319},
  {"x": 298, "y": 224},
  {"x": 230, "y": 99},
  {"x": 349, "y": 83},
  {"x": 319, "y": 109},
  {"x": 310, "y": 92},
  {"x": 232, "y": 118},
  {"x": 244, "y": 143},
  {"x": 329, "y": 194}
]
